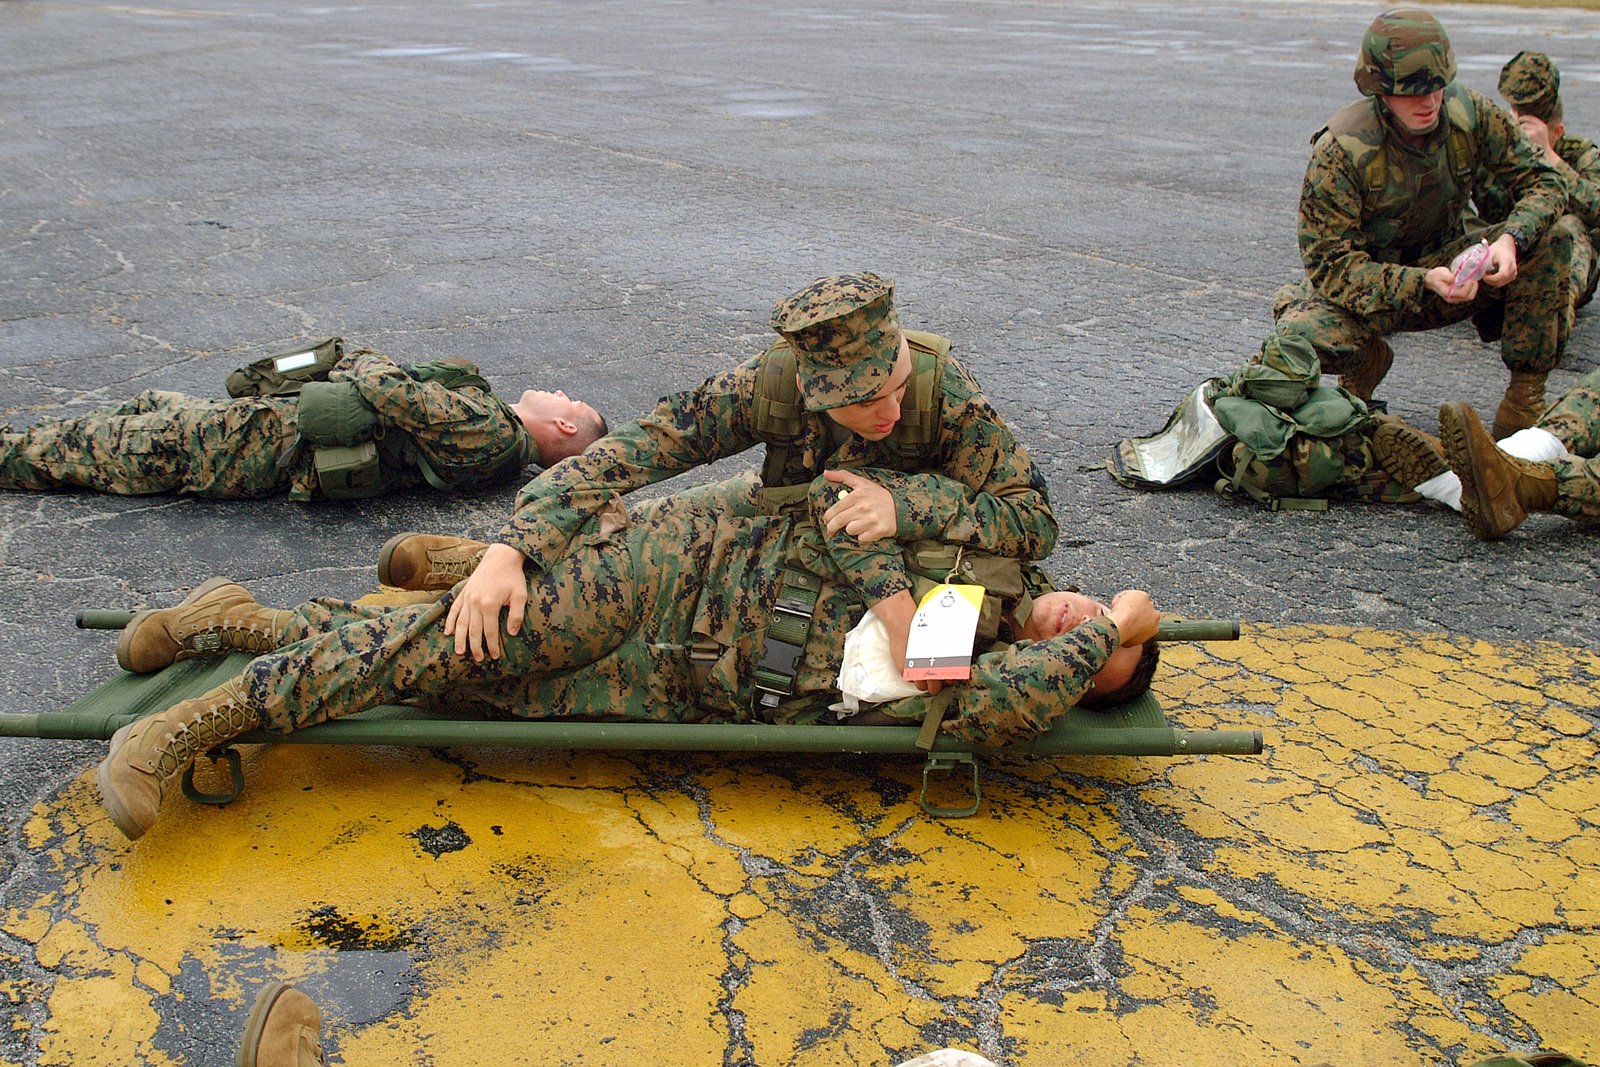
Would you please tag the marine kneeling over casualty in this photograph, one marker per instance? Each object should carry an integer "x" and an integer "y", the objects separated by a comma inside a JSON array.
[
  {"x": 686, "y": 610},
  {"x": 315, "y": 423}
]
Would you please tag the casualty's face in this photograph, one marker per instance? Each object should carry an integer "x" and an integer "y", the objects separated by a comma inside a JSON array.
[
  {"x": 876, "y": 419},
  {"x": 557, "y": 406},
  {"x": 1055, "y": 613}
]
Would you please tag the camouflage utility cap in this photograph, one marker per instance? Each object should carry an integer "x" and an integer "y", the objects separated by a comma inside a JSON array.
[
  {"x": 1532, "y": 84},
  {"x": 845, "y": 336},
  {"x": 1405, "y": 53}
]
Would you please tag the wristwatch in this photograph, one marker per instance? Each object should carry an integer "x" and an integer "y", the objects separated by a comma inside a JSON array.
[{"x": 1520, "y": 238}]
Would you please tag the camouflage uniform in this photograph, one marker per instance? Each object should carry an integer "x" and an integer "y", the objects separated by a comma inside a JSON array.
[
  {"x": 974, "y": 483},
  {"x": 1575, "y": 419},
  {"x": 1376, "y": 214},
  {"x": 609, "y": 627},
  {"x": 1532, "y": 85},
  {"x": 167, "y": 442}
]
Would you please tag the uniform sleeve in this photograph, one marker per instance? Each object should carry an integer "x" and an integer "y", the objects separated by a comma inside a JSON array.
[
  {"x": 455, "y": 428},
  {"x": 1539, "y": 191},
  {"x": 987, "y": 493},
  {"x": 686, "y": 430},
  {"x": 1019, "y": 692},
  {"x": 1333, "y": 245},
  {"x": 1583, "y": 190}
]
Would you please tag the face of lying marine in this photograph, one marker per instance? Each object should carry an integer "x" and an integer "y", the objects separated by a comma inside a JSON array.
[{"x": 1057, "y": 613}]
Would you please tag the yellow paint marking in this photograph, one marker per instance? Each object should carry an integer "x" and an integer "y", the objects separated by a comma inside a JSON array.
[{"x": 1408, "y": 875}]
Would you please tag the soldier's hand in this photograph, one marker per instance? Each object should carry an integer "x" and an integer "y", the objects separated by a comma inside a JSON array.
[
  {"x": 1502, "y": 261},
  {"x": 896, "y": 612},
  {"x": 498, "y": 584},
  {"x": 1440, "y": 280},
  {"x": 1135, "y": 615},
  {"x": 865, "y": 508},
  {"x": 1537, "y": 131}
]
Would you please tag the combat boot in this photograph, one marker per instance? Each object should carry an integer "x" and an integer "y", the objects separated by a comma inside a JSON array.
[
  {"x": 1497, "y": 490},
  {"x": 1522, "y": 404},
  {"x": 284, "y": 1029},
  {"x": 1372, "y": 366},
  {"x": 219, "y": 617},
  {"x": 1409, "y": 454},
  {"x": 427, "y": 562},
  {"x": 147, "y": 754}
]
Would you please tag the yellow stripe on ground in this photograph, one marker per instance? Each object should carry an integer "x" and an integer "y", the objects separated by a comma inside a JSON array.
[{"x": 1408, "y": 875}]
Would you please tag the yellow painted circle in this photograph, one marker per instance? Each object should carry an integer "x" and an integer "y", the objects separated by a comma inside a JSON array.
[{"x": 1408, "y": 875}]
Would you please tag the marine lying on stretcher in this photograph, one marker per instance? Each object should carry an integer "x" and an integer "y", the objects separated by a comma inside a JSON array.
[{"x": 678, "y": 609}]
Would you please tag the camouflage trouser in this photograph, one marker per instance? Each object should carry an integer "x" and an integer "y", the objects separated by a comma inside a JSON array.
[
  {"x": 155, "y": 443},
  {"x": 1537, "y": 311},
  {"x": 606, "y": 633},
  {"x": 1585, "y": 264},
  {"x": 1575, "y": 419}
]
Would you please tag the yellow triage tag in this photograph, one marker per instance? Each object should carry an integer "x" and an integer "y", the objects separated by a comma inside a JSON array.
[{"x": 942, "y": 631}]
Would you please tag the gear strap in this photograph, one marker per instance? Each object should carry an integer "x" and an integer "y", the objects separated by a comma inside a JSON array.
[{"x": 784, "y": 642}]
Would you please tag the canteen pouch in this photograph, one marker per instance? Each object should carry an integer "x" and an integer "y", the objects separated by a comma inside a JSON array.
[
  {"x": 340, "y": 425},
  {"x": 349, "y": 472},
  {"x": 284, "y": 373}
]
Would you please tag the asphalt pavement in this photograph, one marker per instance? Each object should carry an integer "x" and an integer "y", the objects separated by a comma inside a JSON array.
[{"x": 1094, "y": 200}]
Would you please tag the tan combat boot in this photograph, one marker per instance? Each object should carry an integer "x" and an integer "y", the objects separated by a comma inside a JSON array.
[
  {"x": 147, "y": 754},
  {"x": 1376, "y": 358},
  {"x": 284, "y": 1029},
  {"x": 1412, "y": 456},
  {"x": 217, "y": 618},
  {"x": 427, "y": 562},
  {"x": 1497, "y": 490},
  {"x": 1522, "y": 405}
]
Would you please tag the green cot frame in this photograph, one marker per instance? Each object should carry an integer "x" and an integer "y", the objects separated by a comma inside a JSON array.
[{"x": 1137, "y": 728}]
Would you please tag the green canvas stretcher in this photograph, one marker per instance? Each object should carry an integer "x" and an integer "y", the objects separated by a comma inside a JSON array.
[{"x": 1137, "y": 728}]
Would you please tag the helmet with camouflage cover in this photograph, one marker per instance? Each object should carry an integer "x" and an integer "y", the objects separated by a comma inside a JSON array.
[{"x": 1405, "y": 53}]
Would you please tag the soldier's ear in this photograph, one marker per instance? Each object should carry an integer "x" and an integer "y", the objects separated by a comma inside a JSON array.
[{"x": 566, "y": 428}]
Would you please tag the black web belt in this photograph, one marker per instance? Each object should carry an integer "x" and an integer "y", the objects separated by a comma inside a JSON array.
[{"x": 785, "y": 639}]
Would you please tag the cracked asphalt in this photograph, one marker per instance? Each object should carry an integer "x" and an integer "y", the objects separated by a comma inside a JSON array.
[{"x": 1096, "y": 202}]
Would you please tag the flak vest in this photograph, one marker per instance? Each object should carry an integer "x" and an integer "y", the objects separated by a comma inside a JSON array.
[{"x": 1412, "y": 204}]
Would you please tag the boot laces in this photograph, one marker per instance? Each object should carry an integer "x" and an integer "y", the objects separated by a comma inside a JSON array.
[
  {"x": 209, "y": 728},
  {"x": 233, "y": 636}
]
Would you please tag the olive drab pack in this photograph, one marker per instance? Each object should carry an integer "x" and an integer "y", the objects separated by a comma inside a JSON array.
[
  {"x": 283, "y": 373},
  {"x": 1402, "y": 218},
  {"x": 780, "y": 409}
]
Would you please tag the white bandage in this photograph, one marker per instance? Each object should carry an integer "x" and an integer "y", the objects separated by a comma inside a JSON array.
[
  {"x": 1444, "y": 488},
  {"x": 868, "y": 673},
  {"x": 1541, "y": 446}
]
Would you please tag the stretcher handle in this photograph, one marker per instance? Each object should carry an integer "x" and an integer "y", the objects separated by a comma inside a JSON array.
[
  {"x": 1197, "y": 630},
  {"x": 103, "y": 619}
]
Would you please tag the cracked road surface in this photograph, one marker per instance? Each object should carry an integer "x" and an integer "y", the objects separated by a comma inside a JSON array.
[{"x": 1095, "y": 200}]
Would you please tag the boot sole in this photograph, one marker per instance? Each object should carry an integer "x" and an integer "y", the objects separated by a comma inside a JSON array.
[
  {"x": 256, "y": 1022},
  {"x": 131, "y": 828},
  {"x": 125, "y": 640},
  {"x": 1406, "y": 454},
  {"x": 385, "y": 554}
]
